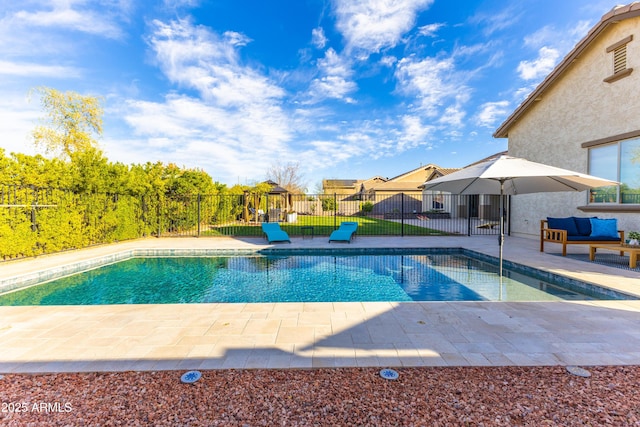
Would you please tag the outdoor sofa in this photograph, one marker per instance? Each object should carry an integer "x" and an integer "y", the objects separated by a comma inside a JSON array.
[{"x": 579, "y": 231}]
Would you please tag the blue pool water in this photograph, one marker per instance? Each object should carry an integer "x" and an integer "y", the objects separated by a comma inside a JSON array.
[{"x": 294, "y": 278}]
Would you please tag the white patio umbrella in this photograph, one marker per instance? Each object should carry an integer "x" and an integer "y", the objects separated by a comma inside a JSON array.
[{"x": 512, "y": 175}]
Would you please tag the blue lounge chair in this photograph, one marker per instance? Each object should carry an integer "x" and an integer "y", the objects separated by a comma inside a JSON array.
[
  {"x": 274, "y": 233},
  {"x": 345, "y": 233}
]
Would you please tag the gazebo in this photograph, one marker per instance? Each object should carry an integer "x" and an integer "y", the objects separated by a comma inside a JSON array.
[{"x": 276, "y": 201}]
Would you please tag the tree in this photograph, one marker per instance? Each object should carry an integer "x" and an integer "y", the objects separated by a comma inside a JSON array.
[
  {"x": 329, "y": 204},
  {"x": 38, "y": 171},
  {"x": 366, "y": 208},
  {"x": 288, "y": 177},
  {"x": 72, "y": 119},
  {"x": 90, "y": 168}
]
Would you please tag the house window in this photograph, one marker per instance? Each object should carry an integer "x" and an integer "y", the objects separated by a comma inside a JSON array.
[
  {"x": 619, "y": 52},
  {"x": 620, "y": 162}
]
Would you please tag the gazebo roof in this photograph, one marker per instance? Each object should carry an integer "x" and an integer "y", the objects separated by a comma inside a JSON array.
[{"x": 275, "y": 188}]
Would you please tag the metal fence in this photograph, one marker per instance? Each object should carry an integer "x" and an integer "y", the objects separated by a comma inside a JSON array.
[
  {"x": 318, "y": 214},
  {"x": 35, "y": 220}
]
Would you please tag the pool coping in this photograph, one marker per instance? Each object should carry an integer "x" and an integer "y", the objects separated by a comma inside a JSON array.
[{"x": 38, "y": 339}]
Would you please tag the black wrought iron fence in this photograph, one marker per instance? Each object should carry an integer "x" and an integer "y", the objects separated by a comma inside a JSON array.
[
  {"x": 35, "y": 220},
  {"x": 397, "y": 214}
]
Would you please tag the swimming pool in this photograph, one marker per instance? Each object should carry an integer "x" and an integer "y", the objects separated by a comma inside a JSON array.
[{"x": 305, "y": 276}]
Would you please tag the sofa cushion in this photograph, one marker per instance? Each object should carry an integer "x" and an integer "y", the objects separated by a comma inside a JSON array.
[
  {"x": 604, "y": 227},
  {"x": 583, "y": 225},
  {"x": 568, "y": 224},
  {"x": 592, "y": 239}
]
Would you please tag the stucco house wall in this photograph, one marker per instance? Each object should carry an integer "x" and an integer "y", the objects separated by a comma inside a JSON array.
[{"x": 577, "y": 107}]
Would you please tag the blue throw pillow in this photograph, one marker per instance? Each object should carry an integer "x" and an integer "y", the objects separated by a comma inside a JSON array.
[
  {"x": 564, "y": 224},
  {"x": 583, "y": 225},
  {"x": 604, "y": 227}
]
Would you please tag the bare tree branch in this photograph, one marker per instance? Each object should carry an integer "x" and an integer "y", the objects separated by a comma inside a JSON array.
[{"x": 288, "y": 176}]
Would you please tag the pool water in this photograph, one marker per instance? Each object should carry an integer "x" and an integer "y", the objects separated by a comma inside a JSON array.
[{"x": 292, "y": 278}]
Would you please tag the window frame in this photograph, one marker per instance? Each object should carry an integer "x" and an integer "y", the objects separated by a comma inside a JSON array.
[{"x": 616, "y": 141}]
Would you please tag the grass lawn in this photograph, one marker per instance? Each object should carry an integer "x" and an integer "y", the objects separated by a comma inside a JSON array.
[{"x": 324, "y": 225}]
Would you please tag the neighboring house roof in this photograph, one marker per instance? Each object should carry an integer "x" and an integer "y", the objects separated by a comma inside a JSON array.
[
  {"x": 350, "y": 183},
  {"x": 437, "y": 173},
  {"x": 614, "y": 16},
  {"x": 491, "y": 157},
  {"x": 343, "y": 183},
  {"x": 350, "y": 186},
  {"x": 376, "y": 178},
  {"x": 408, "y": 181}
]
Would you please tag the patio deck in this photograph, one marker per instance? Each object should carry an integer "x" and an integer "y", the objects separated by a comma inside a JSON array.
[{"x": 310, "y": 335}]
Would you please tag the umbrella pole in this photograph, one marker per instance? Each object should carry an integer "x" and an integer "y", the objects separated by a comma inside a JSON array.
[{"x": 501, "y": 238}]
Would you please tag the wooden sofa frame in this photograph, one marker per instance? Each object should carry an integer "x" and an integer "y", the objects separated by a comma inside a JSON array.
[{"x": 554, "y": 235}]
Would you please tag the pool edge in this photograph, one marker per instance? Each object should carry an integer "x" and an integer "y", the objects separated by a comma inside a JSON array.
[{"x": 41, "y": 276}]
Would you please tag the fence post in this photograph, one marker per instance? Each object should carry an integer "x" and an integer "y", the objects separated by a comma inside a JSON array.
[
  {"x": 335, "y": 210},
  {"x": 143, "y": 216},
  {"x": 508, "y": 213},
  {"x": 159, "y": 215},
  {"x": 199, "y": 216},
  {"x": 402, "y": 214},
  {"x": 468, "y": 215},
  {"x": 34, "y": 225}
]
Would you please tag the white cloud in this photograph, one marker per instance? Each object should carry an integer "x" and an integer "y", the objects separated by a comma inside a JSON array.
[
  {"x": 551, "y": 45},
  {"x": 496, "y": 22},
  {"x": 371, "y": 25},
  {"x": 236, "y": 39},
  {"x": 318, "y": 39},
  {"x": 334, "y": 64},
  {"x": 225, "y": 142},
  {"x": 521, "y": 93},
  {"x": 430, "y": 30},
  {"x": 37, "y": 70},
  {"x": 439, "y": 91},
  {"x": 491, "y": 112},
  {"x": 368, "y": 140},
  {"x": 350, "y": 146},
  {"x": 334, "y": 87},
  {"x": 335, "y": 79},
  {"x": 562, "y": 40},
  {"x": 579, "y": 31},
  {"x": 543, "y": 37},
  {"x": 453, "y": 116},
  {"x": 176, "y": 4},
  {"x": 195, "y": 57},
  {"x": 539, "y": 67},
  {"x": 70, "y": 15},
  {"x": 388, "y": 61},
  {"x": 19, "y": 117},
  {"x": 414, "y": 133},
  {"x": 235, "y": 123},
  {"x": 430, "y": 81}
]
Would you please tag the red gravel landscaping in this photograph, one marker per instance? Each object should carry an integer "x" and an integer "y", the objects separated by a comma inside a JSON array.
[{"x": 487, "y": 396}]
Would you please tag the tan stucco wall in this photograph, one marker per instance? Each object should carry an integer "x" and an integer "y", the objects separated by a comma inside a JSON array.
[{"x": 580, "y": 107}]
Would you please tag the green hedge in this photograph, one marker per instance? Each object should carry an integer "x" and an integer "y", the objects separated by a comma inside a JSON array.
[{"x": 68, "y": 221}]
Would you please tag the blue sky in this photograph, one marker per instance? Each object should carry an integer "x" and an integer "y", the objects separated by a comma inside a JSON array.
[{"x": 345, "y": 88}]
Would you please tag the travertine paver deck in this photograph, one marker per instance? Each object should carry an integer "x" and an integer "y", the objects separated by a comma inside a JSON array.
[{"x": 305, "y": 335}]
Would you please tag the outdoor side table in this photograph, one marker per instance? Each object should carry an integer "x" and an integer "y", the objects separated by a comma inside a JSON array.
[
  {"x": 633, "y": 252},
  {"x": 306, "y": 228}
]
